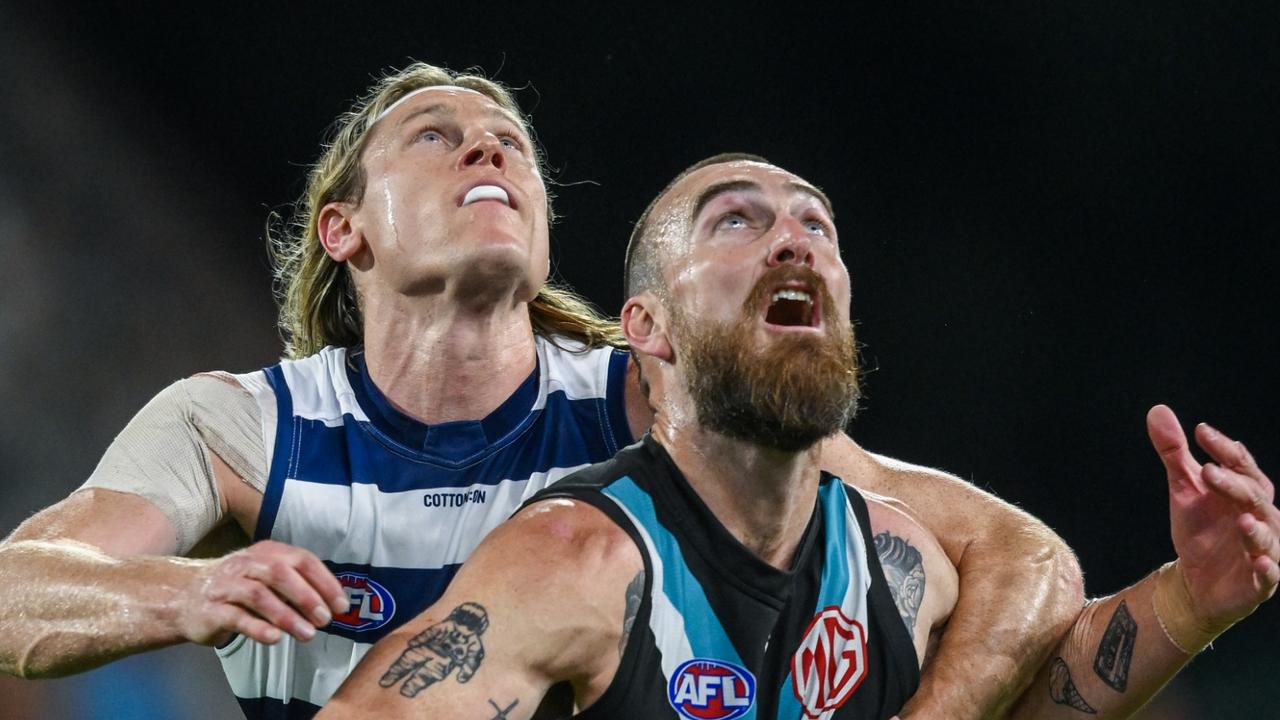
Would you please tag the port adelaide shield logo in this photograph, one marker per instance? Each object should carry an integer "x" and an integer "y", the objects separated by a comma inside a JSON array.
[
  {"x": 830, "y": 663},
  {"x": 372, "y": 605},
  {"x": 706, "y": 689}
]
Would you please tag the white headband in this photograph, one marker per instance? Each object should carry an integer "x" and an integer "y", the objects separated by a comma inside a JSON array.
[{"x": 391, "y": 108}]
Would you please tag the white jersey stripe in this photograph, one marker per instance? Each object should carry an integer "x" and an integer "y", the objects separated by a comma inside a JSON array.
[{"x": 358, "y": 523}]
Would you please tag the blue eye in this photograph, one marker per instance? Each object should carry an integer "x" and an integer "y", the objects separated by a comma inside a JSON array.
[
  {"x": 732, "y": 221},
  {"x": 509, "y": 142},
  {"x": 816, "y": 228},
  {"x": 431, "y": 135}
]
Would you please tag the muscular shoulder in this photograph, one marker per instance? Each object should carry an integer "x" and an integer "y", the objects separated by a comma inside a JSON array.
[
  {"x": 566, "y": 539},
  {"x": 560, "y": 568}
]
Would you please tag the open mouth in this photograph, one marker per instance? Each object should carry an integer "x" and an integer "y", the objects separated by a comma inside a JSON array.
[
  {"x": 792, "y": 307},
  {"x": 481, "y": 193}
]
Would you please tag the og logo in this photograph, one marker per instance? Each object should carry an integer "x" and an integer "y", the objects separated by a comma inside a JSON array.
[
  {"x": 704, "y": 689},
  {"x": 830, "y": 663}
]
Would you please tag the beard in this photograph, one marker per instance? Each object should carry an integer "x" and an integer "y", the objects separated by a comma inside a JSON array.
[{"x": 787, "y": 396}]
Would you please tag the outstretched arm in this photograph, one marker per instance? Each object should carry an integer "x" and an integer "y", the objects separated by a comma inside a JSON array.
[
  {"x": 1020, "y": 585},
  {"x": 1123, "y": 649},
  {"x": 89, "y": 584},
  {"x": 89, "y": 580}
]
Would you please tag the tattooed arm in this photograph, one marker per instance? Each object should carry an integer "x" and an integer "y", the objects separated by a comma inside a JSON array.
[
  {"x": 1022, "y": 586},
  {"x": 543, "y": 600},
  {"x": 1123, "y": 649},
  {"x": 922, "y": 581}
]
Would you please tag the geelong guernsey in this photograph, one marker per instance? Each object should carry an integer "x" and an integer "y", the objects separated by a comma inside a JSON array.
[
  {"x": 393, "y": 506},
  {"x": 720, "y": 634}
]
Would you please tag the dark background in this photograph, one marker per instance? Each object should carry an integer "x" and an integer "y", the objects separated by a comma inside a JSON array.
[{"x": 1055, "y": 216}]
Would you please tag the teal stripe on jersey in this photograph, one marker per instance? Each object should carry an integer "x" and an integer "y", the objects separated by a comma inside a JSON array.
[
  {"x": 702, "y": 628},
  {"x": 835, "y": 576}
]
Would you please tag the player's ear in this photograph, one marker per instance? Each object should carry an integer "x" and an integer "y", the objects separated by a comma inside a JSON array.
[
  {"x": 644, "y": 323},
  {"x": 338, "y": 234}
]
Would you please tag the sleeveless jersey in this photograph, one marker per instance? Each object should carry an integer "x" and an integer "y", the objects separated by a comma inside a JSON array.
[
  {"x": 393, "y": 506},
  {"x": 720, "y": 634}
]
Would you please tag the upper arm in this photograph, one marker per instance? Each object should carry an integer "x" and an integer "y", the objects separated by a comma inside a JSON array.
[
  {"x": 158, "y": 489},
  {"x": 541, "y": 601},
  {"x": 922, "y": 581},
  {"x": 954, "y": 511}
]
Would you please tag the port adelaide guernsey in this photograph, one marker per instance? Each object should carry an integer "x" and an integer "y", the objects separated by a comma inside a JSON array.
[{"x": 720, "y": 634}]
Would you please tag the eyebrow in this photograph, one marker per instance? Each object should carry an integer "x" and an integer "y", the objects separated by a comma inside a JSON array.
[
  {"x": 714, "y": 191},
  {"x": 432, "y": 109},
  {"x": 815, "y": 193}
]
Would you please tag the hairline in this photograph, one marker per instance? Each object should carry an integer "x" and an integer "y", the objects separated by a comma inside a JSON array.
[{"x": 643, "y": 227}]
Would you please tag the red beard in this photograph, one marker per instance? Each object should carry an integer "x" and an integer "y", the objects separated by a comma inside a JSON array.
[{"x": 787, "y": 396}]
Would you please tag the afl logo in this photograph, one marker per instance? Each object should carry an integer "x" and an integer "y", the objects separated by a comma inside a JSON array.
[
  {"x": 371, "y": 604},
  {"x": 703, "y": 689},
  {"x": 830, "y": 663}
]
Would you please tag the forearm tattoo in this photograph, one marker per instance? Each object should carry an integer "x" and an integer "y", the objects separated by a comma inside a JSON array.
[
  {"x": 904, "y": 570},
  {"x": 635, "y": 591},
  {"x": 1063, "y": 690},
  {"x": 1116, "y": 649},
  {"x": 451, "y": 644}
]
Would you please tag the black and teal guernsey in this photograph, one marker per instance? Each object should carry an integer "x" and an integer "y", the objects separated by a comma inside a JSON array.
[{"x": 720, "y": 634}]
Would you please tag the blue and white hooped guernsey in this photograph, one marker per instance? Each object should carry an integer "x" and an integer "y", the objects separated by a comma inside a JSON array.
[{"x": 393, "y": 506}]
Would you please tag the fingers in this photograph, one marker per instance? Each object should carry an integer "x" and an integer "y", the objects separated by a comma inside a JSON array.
[
  {"x": 1171, "y": 444},
  {"x": 287, "y": 580},
  {"x": 256, "y": 628},
  {"x": 273, "y": 585},
  {"x": 1230, "y": 453},
  {"x": 300, "y": 577},
  {"x": 1268, "y": 574},
  {"x": 330, "y": 590},
  {"x": 260, "y": 600},
  {"x": 1246, "y": 492},
  {"x": 1259, "y": 538}
]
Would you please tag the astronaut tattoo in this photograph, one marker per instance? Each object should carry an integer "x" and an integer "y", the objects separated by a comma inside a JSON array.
[{"x": 451, "y": 644}]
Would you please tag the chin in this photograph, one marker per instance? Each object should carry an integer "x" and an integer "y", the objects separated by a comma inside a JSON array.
[{"x": 494, "y": 272}]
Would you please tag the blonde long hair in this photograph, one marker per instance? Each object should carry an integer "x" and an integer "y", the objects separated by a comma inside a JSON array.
[{"x": 318, "y": 302}]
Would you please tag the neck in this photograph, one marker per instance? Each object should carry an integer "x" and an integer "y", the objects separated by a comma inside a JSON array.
[
  {"x": 763, "y": 496},
  {"x": 447, "y": 361}
]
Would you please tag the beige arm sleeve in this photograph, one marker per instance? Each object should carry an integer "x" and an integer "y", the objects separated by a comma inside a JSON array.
[{"x": 163, "y": 453}]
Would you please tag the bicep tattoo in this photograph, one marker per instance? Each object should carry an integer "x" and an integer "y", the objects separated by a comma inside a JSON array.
[
  {"x": 904, "y": 570},
  {"x": 1063, "y": 690},
  {"x": 451, "y": 644},
  {"x": 1116, "y": 649},
  {"x": 635, "y": 593}
]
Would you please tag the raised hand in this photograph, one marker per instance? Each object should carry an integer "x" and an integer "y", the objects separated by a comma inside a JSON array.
[
  {"x": 1224, "y": 522},
  {"x": 260, "y": 591}
]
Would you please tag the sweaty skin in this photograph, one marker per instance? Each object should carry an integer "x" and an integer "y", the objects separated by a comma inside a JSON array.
[
  {"x": 418, "y": 320},
  {"x": 560, "y": 615}
]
